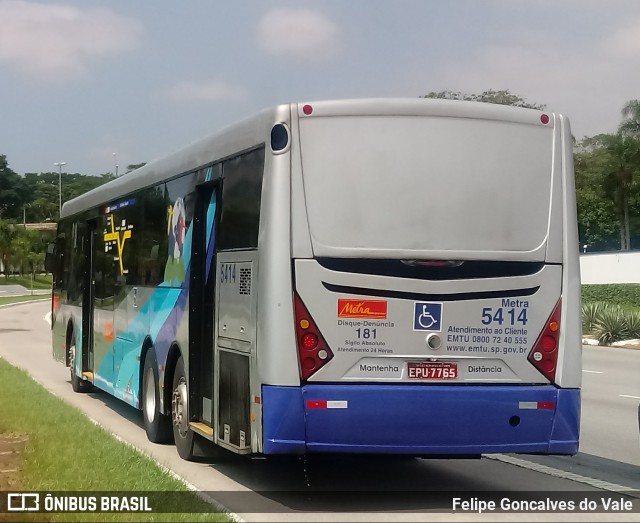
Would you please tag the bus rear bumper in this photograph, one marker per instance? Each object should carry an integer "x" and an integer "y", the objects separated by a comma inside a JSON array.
[{"x": 420, "y": 419}]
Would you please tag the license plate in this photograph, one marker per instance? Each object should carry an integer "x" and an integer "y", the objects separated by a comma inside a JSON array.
[{"x": 438, "y": 370}]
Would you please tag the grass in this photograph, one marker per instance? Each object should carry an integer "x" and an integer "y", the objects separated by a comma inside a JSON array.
[
  {"x": 41, "y": 281},
  {"x": 66, "y": 452}
]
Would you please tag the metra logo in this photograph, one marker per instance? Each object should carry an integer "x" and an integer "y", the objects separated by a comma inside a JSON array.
[{"x": 362, "y": 309}]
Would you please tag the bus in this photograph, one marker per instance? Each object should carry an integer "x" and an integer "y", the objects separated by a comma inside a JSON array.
[{"x": 373, "y": 276}]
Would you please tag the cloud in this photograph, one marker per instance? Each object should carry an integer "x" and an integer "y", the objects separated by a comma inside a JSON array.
[
  {"x": 625, "y": 42},
  {"x": 57, "y": 41},
  {"x": 589, "y": 84},
  {"x": 209, "y": 91},
  {"x": 301, "y": 33}
]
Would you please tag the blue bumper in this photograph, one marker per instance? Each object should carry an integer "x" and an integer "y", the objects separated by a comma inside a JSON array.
[{"x": 420, "y": 419}]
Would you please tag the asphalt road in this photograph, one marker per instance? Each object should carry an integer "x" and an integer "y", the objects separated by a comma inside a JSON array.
[
  {"x": 610, "y": 394},
  {"x": 339, "y": 489}
]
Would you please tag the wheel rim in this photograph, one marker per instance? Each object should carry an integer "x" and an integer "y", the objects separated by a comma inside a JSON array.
[
  {"x": 179, "y": 407},
  {"x": 150, "y": 395}
]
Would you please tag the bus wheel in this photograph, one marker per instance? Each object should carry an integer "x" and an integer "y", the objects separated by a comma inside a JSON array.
[
  {"x": 77, "y": 383},
  {"x": 182, "y": 434},
  {"x": 156, "y": 424}
]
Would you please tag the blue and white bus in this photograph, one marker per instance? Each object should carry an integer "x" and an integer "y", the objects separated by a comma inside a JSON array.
[{"x": 394, "y": 276}]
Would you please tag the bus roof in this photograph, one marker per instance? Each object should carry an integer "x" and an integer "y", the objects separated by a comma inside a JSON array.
[{"x": 254, "y": 131}]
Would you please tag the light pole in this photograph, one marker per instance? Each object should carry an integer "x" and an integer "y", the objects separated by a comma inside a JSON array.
[
  {"x": 115, "y": 160},
  {"x": 60, "y": 164}
]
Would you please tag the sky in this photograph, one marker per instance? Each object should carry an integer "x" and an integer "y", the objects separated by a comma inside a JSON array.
[{"x": 100, "y": 83}]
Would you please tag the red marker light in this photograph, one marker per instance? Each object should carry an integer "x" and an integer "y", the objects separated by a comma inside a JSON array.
[
  {"x": 307, "y": 109},
  {"x": 548, "y": 343},
  {"x": 544, "y": 119},
  {"x": 309, "y": 341}
]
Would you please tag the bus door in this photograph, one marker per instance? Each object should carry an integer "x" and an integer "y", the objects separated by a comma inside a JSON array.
[
  {"x": 103, "y": 270},
  {"x": 237, "y": 303},
  {"x": 86, "y": 231},
  {"x": 235, "y": 347},
  {"x": 202, "y": 309}
]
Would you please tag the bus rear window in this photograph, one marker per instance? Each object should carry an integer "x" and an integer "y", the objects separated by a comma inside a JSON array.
[{"x": 425, "y": 184}]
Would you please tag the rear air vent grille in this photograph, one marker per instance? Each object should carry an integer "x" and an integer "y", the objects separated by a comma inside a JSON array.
[
  {"x": 471, "y": 269},
  {"x": 245, "y": 282}
]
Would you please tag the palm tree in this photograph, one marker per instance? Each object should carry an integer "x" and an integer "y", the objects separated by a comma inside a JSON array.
[{"x": 631, "y": 118}]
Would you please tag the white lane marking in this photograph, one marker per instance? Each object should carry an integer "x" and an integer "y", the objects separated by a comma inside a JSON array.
[
  {"x": 47, "y": 318},
  {"x": 627, "y": 396},
  {"x": 593, "y": 371},
  {"x": 597, "y": 483}
]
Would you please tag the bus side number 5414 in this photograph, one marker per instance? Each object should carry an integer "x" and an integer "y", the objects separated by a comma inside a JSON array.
[{"x": 227, "y": 273}]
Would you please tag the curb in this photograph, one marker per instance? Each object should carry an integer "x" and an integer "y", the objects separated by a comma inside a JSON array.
[
  {"x": 625, "y": 344},
  {"x": 26, "y": 302}
]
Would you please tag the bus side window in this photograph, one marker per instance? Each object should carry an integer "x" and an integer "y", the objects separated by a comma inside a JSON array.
[
  {"x": 241, "y": 194},
  {"x": 151, "y": 255},
  {"x": 50, "y": 257},
  {"x": 54, "y": 261}
]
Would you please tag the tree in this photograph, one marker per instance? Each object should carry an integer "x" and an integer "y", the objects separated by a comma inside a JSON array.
[
  {"x": 13, "y": 191},
  {"x": 44, "y": 191},
  {"x": 27, "y": 250},
  {"x": 597, "y": 220},
  {"x": 503, "y": 97},
  {"x": 631, "y": 118},
  {"x": 7, "y": 235},
  {"x": 134, "y": 166},
  {"x": 597, "y": 223},
  {"x": 20, "y": 249},
  {"x": 616, "y": 159}
]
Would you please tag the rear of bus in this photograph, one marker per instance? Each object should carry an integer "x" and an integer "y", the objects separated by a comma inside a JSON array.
[{"x": 436, "y": 280}]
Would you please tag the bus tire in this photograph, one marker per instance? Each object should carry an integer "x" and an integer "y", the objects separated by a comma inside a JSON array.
[
  {"x": 156, "y": 424},
  {"x": 77, "y": 383},
  {"x": 182, "y": 434}
]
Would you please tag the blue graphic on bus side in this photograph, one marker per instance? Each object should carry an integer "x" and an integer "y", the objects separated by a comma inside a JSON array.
[{"x": 427, "y": 316}]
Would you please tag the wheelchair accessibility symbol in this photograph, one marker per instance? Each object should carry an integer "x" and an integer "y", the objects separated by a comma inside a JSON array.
[{"x": 427, "y": 316}]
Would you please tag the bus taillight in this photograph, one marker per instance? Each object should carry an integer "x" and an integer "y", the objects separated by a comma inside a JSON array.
[
  {"x": 313, "y": 351},
  {"x": 309, "y": 341},
  {"x": 544, "y": 355}
]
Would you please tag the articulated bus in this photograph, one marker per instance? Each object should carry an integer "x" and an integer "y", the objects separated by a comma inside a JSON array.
[{"x": 391, "y": 276}]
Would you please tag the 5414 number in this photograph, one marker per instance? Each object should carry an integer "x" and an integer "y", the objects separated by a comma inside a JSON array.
[{"x": 499, "y": 315}]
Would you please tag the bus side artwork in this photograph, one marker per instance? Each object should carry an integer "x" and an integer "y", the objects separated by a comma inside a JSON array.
[{"x": 389, "y": 276}]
